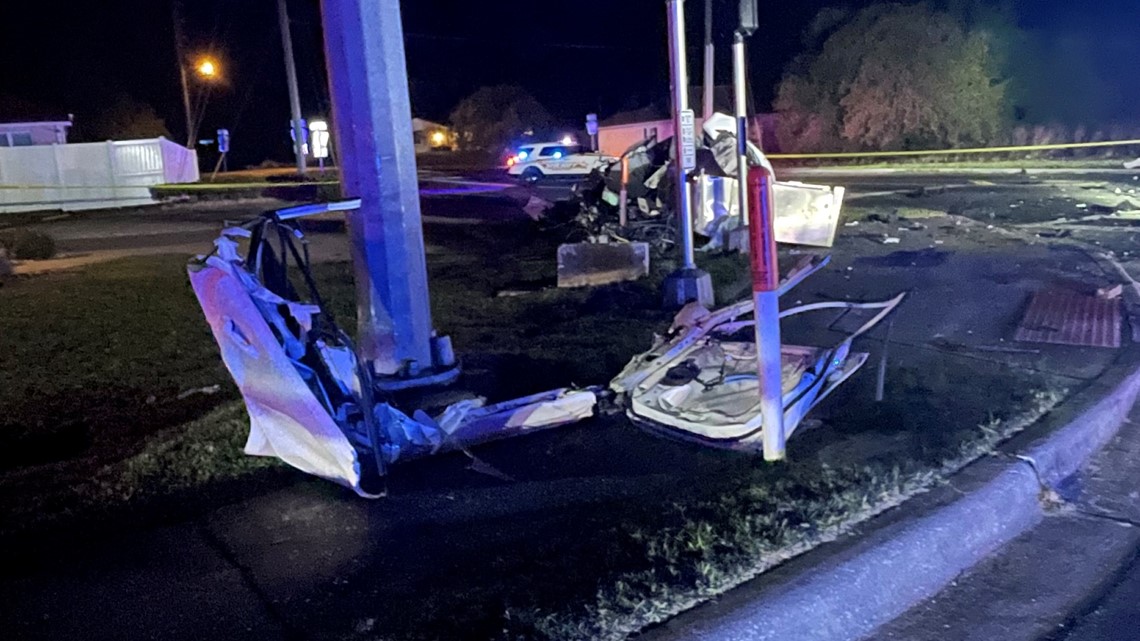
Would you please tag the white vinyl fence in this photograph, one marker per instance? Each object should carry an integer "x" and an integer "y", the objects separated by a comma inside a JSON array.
[{"x": 91, "y": 175}]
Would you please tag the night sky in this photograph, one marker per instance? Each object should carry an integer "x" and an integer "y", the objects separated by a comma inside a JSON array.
[{"x": 63, "y": 56}]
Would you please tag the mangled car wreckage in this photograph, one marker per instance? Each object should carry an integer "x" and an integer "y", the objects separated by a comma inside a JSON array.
[
  {"x": 807, "y": 215},
  {"x": 314, "y": 405},
  {"x": 311, "y": 403}
]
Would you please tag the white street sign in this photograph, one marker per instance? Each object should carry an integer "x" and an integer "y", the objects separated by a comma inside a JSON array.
[
  {"x": 319, "y": 134},
  {"x": 688, "y": 141}
]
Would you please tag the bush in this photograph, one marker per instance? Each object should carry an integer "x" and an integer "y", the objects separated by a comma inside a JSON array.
[{"x": 27, "y": 245}]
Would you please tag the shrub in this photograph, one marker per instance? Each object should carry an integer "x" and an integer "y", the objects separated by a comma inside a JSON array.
[{"x": 25, "y": 244}]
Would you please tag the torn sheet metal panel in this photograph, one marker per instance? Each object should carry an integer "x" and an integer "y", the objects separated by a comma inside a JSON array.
[
  {"x": 309, "y": 400},
  {"x": 805, "y": 214},
  {"x": 520, "y": 416},
  {"x": 694, "y": 323},
  {"x": 286, "y": 419},
  {"x": 700, "y": 384}
]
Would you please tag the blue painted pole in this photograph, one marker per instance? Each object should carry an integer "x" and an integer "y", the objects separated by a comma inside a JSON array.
[{"x": 364, "y": 47}]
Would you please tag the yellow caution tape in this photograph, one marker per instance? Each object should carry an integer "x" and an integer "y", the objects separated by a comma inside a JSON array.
[{"x": 952, "y": 152}]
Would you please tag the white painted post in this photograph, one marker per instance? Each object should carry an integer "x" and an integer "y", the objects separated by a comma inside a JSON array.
[
  {"x": 111, "y": 165},
  {"x": 765, "y": 283}
]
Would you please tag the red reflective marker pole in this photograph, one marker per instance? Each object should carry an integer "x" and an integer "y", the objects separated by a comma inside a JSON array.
[{"x": 765, "y": 282}]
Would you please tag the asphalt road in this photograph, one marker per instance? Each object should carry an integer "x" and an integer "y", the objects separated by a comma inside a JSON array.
[{"x": 1114, "y": 617}]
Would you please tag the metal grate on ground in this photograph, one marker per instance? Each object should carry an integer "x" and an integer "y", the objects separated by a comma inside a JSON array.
[{"x": 1069, "y": 318}]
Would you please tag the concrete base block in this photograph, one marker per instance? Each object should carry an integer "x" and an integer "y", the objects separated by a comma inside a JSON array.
[
  {"x": 585, "y": 264},
  {"x": 737, "y": 240},
  {"x": 685, "y": 285}
]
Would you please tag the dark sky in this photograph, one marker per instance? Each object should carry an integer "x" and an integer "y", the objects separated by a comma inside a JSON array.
[{"x": 71, "y": 56}]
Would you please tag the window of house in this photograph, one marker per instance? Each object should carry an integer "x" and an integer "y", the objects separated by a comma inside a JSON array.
[{"x": 21, "y": 138}]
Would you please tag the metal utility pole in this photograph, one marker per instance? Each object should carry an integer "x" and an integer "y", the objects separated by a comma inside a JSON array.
[
  {"x": 364, "y": 52},
  {"x": 180, "y": 56},
  {"x": 291, "y": 78},
  {"x": 190, "y": 133},
  {"x": 740, "y": 92},
  {"x": 762, "y": 247},
  {"x": 688, "y": 283},
  {"x": 710, "y": 57}
]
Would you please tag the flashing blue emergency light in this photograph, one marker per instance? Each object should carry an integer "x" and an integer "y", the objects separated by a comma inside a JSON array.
[
  {"x": 557, "y": 154},
  {"x": 522, "y": 155}
]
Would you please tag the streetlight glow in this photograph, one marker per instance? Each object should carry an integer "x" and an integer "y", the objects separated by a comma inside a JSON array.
[
  {"x": 207, "y": 68},
  {"x": 437, "y": 138}
]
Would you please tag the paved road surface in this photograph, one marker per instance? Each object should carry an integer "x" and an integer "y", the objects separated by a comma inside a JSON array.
[{"x": 1116, "y": 617}]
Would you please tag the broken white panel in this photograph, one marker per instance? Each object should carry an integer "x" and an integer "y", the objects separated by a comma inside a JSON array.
[
  {"x": 702, "y": 385},
  {"x": 805, "y": 214},
  {"x": 511, "y": 418},
  {"x": 286, "y": 419}
]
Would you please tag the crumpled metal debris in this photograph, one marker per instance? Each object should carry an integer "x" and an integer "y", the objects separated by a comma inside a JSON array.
[
  {"x": 311, "y": 403},
  {"x": 807, "y": 214}
]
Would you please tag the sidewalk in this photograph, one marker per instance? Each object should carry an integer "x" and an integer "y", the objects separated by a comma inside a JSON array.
[{"x": 449, "y": 553}]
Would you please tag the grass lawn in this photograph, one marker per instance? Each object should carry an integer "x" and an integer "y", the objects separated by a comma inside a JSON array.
[{"x": 111, "y": 387}]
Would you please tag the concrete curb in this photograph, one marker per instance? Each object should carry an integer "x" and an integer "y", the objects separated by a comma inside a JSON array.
[{"x": 846, "y": 589}]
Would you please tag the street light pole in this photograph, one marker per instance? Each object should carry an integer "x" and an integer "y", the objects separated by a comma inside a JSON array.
[
  {"x": 710, "y": 57},
  {"x": 190, "y": 133},
  {"x": 180, "y": 57},
  {"x": 291, "y": 79},
  {"x": 364, "y": 52}
]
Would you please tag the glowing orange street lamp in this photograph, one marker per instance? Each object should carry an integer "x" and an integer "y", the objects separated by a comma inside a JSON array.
[{"x": 207, "y": 68}]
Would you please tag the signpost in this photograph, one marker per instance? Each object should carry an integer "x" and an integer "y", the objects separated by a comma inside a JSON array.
[
  {"x": 687, "y": 283},
  {"x": 224, "y": 140},
  {"x": 296, "y": 123},
  {"x": 302, "y": 127},
  {"x": 223, "y": 149},
  {"x": 592, "y": 129}
]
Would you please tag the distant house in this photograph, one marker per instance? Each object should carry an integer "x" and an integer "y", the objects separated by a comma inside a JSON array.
[
  {"x": 623, "y": 130},
  {"x": 432, "y": 136},
  {"x": 627, "y": 128},
  {"x": 27, "y": 134}
]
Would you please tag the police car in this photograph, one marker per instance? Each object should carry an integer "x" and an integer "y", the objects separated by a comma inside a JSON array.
[{"x": 554, "y": 159}]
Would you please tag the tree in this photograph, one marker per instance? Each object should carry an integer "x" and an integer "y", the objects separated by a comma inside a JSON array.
[
  {"x": 17, "y": 108},
  {"x": 121, "y": 118},
  {"x": 895, "y": 77},
  {"x": 495, "y": 117}
]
